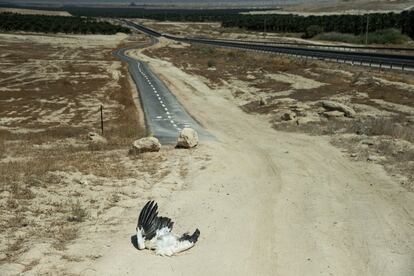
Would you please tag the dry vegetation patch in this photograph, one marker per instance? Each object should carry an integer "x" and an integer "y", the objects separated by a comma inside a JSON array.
[
  {"x": 52, "y": 181},
  {"x": 62, "y": 196}
]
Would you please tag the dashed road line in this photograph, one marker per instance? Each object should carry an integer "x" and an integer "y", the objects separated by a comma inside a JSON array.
[{"x": 170, "y": 118}]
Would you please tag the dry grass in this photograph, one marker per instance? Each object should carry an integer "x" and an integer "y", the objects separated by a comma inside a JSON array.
[
  {"x": 77, "y": 213},
  {"x": 386, "y": 126},
  {"x": 229, "y": 64},
  {"x": 53, "y": 181},
  {"x": 49, "y": 102}
]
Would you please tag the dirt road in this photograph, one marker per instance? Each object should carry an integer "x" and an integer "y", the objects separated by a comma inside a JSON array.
[{"x": 270, "y": 203}]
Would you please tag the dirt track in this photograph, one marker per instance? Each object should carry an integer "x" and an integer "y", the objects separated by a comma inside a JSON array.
[{"x": 270, "y": 203}]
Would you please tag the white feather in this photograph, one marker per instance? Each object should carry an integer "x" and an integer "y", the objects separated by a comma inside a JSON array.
[
  {"x": 140, "y": 239},
  {"x": 167, "y": 244}
]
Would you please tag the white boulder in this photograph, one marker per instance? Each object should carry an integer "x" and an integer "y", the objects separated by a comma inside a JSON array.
[
  {"x": 331, "y": 105},
  {"x": 188, "y": 138},
  {"x": 147, "y": 144}
]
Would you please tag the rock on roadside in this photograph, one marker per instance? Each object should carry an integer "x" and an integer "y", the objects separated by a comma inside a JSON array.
[
  {"x": 147, "y": 144},
  {"x": 333, "y": 114},
  {"x": 331, "y": 105},
  {"x": 188, "y": 138},
  {"x": 288, "y": 116},
  {"x": 95, "y": 138}
]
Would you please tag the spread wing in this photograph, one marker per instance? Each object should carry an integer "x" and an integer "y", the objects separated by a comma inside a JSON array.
[
  {"x": 149, "y": 221},
  {"x": 147, "y": 215}
]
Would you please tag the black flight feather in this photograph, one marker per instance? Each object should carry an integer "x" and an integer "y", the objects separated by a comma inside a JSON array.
[
  {"x": 148, "y": 213},
  {"x": 142, "y": 213}
]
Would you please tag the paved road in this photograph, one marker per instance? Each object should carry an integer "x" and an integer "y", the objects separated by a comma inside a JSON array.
[
  {"x": 164, "y": 115},
  {"x": 381, "y": 60}
]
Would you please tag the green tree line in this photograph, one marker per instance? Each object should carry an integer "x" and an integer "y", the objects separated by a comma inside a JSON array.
[
  {"x": 352, "y": 24},
  {"x": 57, "y": 24}
]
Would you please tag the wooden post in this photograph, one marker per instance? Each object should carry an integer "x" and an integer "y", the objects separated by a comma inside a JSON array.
[
  {"x": 102, "y": 125},
  {"x": 366, "y": 33}
]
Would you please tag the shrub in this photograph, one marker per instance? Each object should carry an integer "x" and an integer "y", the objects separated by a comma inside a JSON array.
[
  {"x": 312, "y": 30},
  {"x": 211, "y": 63},
  {"x": 387, "y": 36}
]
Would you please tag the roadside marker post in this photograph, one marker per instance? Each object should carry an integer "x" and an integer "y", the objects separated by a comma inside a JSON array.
[{"x": 102, "y": 123}]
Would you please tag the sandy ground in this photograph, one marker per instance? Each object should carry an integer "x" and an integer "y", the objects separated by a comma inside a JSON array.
[
  {"x": 37, "y": 12},
  {"x": 53, "y": 180},
  {"x": 267, "y": 203}
]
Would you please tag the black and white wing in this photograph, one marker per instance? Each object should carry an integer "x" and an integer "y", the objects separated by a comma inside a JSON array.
[{"x": 150, "y": 222}]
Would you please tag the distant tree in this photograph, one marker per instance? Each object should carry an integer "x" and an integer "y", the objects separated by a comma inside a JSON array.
[{"x": 312, "y": 31}]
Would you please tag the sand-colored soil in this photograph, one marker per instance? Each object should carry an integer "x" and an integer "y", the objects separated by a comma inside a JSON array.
[
  {"x": 52, "y": 179},
  {"x": 35, "y": 12},
  {"x": 268, "y": 203}
]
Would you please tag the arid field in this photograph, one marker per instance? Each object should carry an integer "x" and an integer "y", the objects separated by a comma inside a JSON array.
[
  {"x": 310, "y": 170},
  {"x": 290, "y": 93}
]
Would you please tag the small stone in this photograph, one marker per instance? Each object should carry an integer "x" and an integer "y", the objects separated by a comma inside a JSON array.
[
  {"x": 333, "y": 114},
  {"x": 288, "y": 116},
  {"x": 95, "y": 138},
  {"x": 372, "y": 158},
  {"x": 354, "y": 155}
]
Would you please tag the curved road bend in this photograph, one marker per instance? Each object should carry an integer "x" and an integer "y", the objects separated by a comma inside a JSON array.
[{"x": 164, "y": 115}]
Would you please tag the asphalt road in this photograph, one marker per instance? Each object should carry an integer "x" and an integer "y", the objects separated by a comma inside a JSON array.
[
  {"x": 370, "y": 59},
  {"x": 164, "y": 115}
]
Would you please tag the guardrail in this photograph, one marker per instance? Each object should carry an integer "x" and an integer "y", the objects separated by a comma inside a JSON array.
[
  {"x": 327, "y": 46},
  {"x": 379, "y": 60},
  {"x": 401, "y": 62},
  {"x": 141, "y": 28}
]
